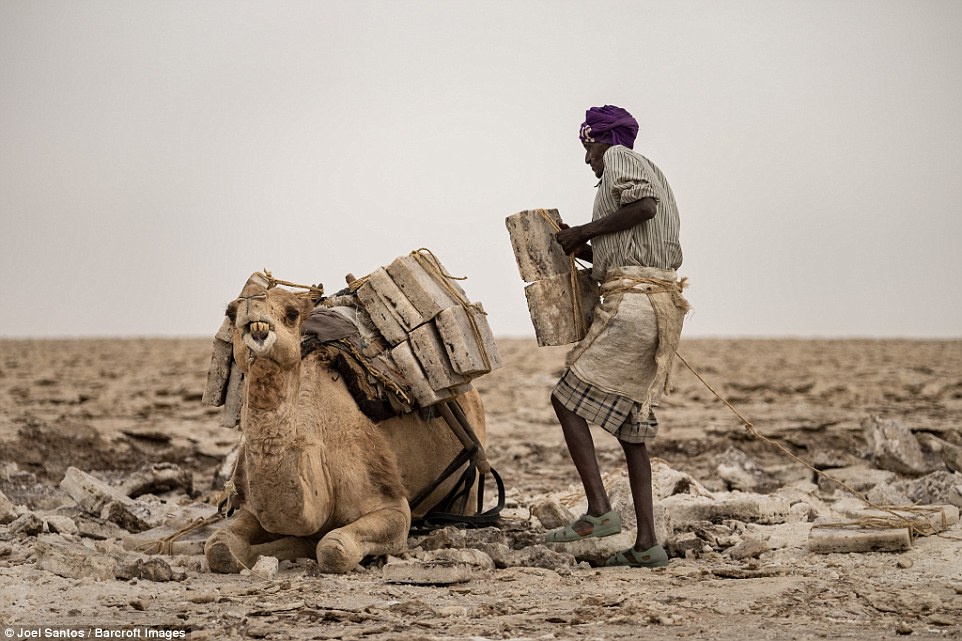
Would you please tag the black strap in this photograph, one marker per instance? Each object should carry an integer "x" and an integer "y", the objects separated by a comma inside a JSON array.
[{"x": 484, "y": 518}]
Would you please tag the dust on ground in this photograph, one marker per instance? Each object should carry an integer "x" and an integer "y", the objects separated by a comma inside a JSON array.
[{"x": 110, "y": 406}]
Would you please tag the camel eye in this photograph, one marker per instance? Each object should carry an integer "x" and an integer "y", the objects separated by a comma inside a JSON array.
[
  {"x": 232, "y": 312},
  {"x": 292, "y": 314}
]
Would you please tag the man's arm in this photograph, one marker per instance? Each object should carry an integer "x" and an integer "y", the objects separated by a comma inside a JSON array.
[{"x": 574, "y": 238}]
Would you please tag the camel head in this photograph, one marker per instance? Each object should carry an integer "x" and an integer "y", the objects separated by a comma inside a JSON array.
[{"x": 267, "y": 324}]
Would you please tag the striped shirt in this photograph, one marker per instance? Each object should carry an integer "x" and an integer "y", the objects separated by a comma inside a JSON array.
[{"x": 629, "y": 177}]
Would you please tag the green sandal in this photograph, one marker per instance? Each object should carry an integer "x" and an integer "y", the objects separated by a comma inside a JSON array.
[
  {"x": 655, "y": 557},
  {"x": 604, "y": 525}
]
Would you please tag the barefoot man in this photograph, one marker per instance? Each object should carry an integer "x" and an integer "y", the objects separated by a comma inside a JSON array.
[{"x": 619, "y": 370}]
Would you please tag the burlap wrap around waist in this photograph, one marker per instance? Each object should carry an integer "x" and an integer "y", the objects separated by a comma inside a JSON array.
[{"x": 631, "y": 343}]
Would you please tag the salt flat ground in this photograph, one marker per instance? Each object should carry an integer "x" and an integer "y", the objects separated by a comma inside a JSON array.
[{"x": 109, "y": 406}]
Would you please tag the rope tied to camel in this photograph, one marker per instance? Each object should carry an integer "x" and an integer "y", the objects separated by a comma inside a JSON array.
[
  {"x": 365, "y": 364},
  {"x": 314, "y": 291},
  {"x": 574, "y": 278},
  {"x": 166, "y": 544},
  {"x": 915, "y": 527},
  {"x": 433, "y": 267}
]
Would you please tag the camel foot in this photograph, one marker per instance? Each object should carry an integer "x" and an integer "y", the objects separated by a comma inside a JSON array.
[
  {"x": 227, "y": 554},
  {"x": 338, "y": 553}
]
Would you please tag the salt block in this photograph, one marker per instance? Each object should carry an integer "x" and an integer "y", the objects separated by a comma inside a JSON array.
[
  {"x": 596, "y": 551},
  {"x": 218, "y": 372},
  {"x": 72, "y": 560},
  {"x": 164, "y": 540},
  {"x": 381, "y": 315},
  {"x": 461, "y": 342},
  {"x": 687, "y": 509},
  {"x": 425, "y": 283},
  {"x": 894, "y": 447},
  {"x": 428, "y": 572},
  {"x": 417, "y": 381},
  {"x": 860, "y": 478},
  {"x": 90, "y": 493},
  {"x": 538, "y": 254},
  {"x": 404, "y": 312},
  {"x": 932, "y": 518},
  {"x": 427, "y": 347},
  {"x": 551, "y": 514},
  {"x": 472, "y": 556},
  {"x": 233, "y": 399},
  {"x": 825, "y": 539},
  {"x": 258, "y": 281},
  {"x": 266, "y": 568},
  {"x": 463, "y": 388},
  {"x": 552, "y": 310},
  {"x": 749, "y": 549}
]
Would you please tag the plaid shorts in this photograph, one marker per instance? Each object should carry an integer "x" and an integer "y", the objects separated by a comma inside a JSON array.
[{"x": 616, "y": 414}]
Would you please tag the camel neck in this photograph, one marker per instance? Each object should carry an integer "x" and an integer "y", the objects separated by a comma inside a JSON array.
[{"x": 271, "y": 404}]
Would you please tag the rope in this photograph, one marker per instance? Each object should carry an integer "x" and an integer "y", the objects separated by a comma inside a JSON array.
[
  {"x": 311, "y": 289},
  {"x": 433, "y": 267},
  {"x": 167, "y": 543},
  {"x": 574, "y": 279},
  {"x": 923, "y": 528},
  {"x": 356, "y": 284},
  {"x": 914, "y": 526},
  {"x": 658, "y": 286},
  {"x": 372, "y": 371}
]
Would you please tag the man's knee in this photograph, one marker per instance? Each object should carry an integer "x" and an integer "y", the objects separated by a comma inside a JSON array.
[
  {"x": 558, "y": 406},
  {"x": 634, "y": 449}
]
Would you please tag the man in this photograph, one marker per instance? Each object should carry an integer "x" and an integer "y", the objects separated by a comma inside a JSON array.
[{"x": 618, "y": 371}]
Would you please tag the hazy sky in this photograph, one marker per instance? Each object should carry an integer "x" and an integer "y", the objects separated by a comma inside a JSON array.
[{"x": 154, "y": 154}]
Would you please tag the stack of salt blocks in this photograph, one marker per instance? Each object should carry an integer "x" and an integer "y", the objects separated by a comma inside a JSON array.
[
  {"x": 431, "y": 338},
  {"x": 547, "y": 269},
  {"x": 225, "y": 381}
]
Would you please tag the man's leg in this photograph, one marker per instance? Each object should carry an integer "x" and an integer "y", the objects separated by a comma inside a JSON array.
[
  {"x": 639, "y": 479},
  {"x": 581, "y": 448}
]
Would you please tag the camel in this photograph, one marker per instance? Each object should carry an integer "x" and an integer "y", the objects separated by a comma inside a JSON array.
[{"x": 316, "y": 478}]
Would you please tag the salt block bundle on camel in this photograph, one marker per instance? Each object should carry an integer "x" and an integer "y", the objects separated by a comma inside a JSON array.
[{"x": 356, "y": 413}]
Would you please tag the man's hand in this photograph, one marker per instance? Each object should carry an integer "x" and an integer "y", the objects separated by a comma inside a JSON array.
[{"x": 571, "y": 238}]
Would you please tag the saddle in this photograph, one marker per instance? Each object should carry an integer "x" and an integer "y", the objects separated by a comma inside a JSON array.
[{"x": 379, "y": 390}]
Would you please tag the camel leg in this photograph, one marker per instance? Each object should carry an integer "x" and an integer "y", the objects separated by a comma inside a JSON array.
[
  {"x": 286, "y": 548},
  {"x": 382, "y": 531},
  {"x": 228, "y": 550}
]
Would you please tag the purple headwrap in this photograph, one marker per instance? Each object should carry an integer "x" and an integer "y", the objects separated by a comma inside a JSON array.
[{"x": 609, "y": 124}]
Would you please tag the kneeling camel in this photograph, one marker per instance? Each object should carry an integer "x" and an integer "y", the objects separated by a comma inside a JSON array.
[{"x": 316, "y": 477}]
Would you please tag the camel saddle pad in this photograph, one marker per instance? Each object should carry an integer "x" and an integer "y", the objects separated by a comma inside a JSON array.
[
  {"x": 326, "y": 325},
  {"x": 371, "y": 380}
]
